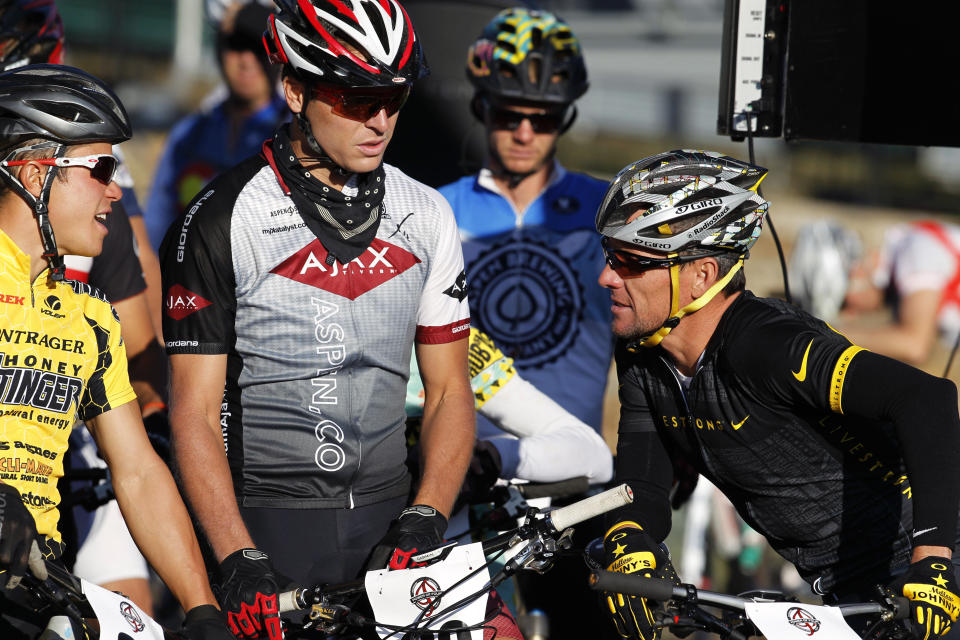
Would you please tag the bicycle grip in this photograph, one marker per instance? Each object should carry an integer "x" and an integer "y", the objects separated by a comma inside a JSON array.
[
  {"x": 589, "y": 507},
  {"x": 561, "y": 489},
  {"x": 291, "y": 601},
  {"x": 632, "y": 584}
]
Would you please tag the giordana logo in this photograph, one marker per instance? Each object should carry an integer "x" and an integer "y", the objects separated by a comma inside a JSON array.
[
  {"x": 130, "y": 614},
  {"x": 382, "y": 261},
  {"x": 803, "y": 620},
  {"x": 181, "y": 302},
  {"x": 425, "y": 594},
  {"x": 52, "y": 304}
]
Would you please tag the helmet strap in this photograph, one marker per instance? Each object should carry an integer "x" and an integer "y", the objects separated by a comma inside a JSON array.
[
  {"x": 656, "y": 337},
  {"x": 317, "y": 151},
  {"x": 41, "y": 210}
]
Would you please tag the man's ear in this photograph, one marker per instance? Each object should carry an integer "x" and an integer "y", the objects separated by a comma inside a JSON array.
[
  {"x": 31, "y": 176},
  {"x": 294, "y": 91},
  {"x": 706, "y": 272}
]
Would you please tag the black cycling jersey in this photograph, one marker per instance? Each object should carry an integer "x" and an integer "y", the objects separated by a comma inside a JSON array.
[{"x": 766, "y": 418}]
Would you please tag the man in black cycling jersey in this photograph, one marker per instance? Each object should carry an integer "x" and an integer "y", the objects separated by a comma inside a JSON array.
[
  {"x": 845, "y": 460},
  {"x": 62, "y": 355},
  {"x": 296, "y": 286}
]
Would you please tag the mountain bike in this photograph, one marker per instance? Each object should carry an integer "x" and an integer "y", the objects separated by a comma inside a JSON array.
[
  {"x": 447, "y": 596},
  {"x": 79, "y": 610},
  {"x": 760, "y": 613}
]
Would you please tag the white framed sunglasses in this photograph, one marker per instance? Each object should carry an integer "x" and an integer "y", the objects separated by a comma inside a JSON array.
[{"x": 102, "y": 166}]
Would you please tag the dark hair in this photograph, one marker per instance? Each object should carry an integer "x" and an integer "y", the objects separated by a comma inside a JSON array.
[{"x": 33, "y": 154}]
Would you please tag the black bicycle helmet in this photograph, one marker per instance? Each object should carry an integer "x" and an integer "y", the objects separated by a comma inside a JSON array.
[
  {"x": 527, "y": 55},
  {"x": 353, "y": 43},
  {"x": 66, "y": 106},
  {"x": 59, "y": 103},
  {"x": 31, "y": 32}
]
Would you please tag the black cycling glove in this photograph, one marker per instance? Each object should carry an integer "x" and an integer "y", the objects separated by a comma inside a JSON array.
[
  {"x": 931, "y": 587},
  {"x": 206, "y": 623},
  {"x": 418, "y": 528},
  {"x": 248, "y": 595},
  {"x": 628, "y": 549},
  {"x": 18, "y": 540}
]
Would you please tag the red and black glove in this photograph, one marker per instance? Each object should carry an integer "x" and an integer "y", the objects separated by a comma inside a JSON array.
[
  {"x": 931, "y": 587},
  {"x": 627, "y": 548},
  {"x": 418, "y": 528},
  {"x": 248, "y": 595}
]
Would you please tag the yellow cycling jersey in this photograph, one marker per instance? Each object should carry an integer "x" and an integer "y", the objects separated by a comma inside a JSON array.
[{"x": 61, "y": 358}]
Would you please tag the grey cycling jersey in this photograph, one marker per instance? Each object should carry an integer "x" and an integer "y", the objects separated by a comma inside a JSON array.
[{"x": 318, "y": 353}]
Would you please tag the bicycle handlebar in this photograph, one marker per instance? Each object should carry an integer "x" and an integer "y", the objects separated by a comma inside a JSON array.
[
  {"x": 553, "y": 522},
  {"x": 662, "y": 590},
  {"x": 561, "y": 489}
]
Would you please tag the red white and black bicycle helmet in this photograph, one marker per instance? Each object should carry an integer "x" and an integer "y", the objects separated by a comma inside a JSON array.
[
  {"x": 686, "y": 203},
  {"x": 529, "y": 55},
  {"x": 353, "y": 43},
  {"x": 31, "y": 32}
]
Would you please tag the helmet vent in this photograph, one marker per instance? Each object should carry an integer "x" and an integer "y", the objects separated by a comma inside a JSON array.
[
  {"x": 376, "y": 20},
  {"x": 66, "y": 112}
]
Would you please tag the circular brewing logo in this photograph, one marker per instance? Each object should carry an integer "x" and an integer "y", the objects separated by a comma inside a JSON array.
[{"x": 527, "y": 297}]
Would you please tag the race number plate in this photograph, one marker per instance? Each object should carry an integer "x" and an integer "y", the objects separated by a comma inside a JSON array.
[
  {"x": 795, "y": 621},
  {"x": 119, "y": 618},
  {"x": 402, "y": 597}
]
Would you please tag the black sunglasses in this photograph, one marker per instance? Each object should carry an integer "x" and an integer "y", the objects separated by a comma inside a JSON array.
[
  {"x": 639, "y": 264},
  {"x": 633, "y": 262},
  {"x": 510, "y": 120}
]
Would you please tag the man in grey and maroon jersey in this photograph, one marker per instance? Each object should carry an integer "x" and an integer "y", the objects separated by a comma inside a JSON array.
[{"x": 296, "y": 286}]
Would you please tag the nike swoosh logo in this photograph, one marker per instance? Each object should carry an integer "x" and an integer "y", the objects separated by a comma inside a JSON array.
[
  {"x": 802, "y": 374},
  {"x": 922, "y": 531},
  {"x": 737, "y": 425}
]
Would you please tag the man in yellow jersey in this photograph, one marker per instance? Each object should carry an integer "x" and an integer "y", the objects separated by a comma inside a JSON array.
[{"x": 61, "y": 355}]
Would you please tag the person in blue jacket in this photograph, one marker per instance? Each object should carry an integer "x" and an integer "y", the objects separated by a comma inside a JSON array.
[
  {"x": 232, "y": 127},
  {"x": 526, "y": 222}
]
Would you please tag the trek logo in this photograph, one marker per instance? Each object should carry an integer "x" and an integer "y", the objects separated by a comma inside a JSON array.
[
  {"x": 9, "y": 299},
  {"x": 381, "y": 262},
  {"x": 801, "y": 375},
  {"x": 51, "y": 304},
  {"x": 181, "y": 302},
  {"x": 458, "y": 290}
]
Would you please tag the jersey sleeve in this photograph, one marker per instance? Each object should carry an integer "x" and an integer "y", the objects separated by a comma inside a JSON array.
[
  {"x": 117, "y": 271},
  {"x": 109, "y": 386},
  {"x": 444, "y": 315},
  {"x": 199, "y": 305},
  {"x": 804, "y": 364}
]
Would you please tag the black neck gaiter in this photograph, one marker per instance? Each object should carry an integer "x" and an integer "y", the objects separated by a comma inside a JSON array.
[{"x": 344, "y": 225}]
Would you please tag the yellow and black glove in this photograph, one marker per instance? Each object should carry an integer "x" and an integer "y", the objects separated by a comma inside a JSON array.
[
  {"x": 628, "y": 549},
  {"x": 930, "y": 586}
]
